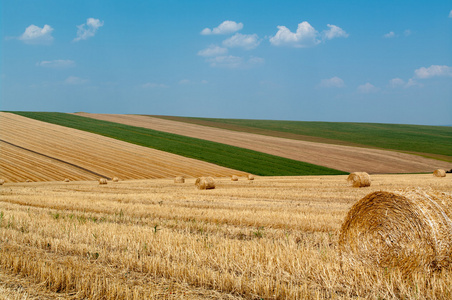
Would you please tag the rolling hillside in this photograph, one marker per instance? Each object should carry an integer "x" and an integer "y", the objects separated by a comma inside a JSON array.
[
  {"x": 341, "y": 157},
  {"x": 40, "y": 151}
]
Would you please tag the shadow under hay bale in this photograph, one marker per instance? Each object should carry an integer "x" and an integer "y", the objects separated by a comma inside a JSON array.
[
  {"x": 439, "y": 173},
  {"x": 359, "y": 179},
  {"x": 179, "y": 179},
  {"x": 102, "y": 181},
  {"x": 205, "y": 183},
  {"x": 410, "y": 230}
]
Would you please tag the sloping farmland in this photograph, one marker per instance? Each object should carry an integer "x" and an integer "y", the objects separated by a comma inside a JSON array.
[
  {"x": 339, "y": 157},
  {"x": 39, "y": 151}
]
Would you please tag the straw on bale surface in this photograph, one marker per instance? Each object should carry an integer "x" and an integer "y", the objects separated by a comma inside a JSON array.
[
  {"x": 102, "y": 181},
  {"x": 410, "y": 230},
  {"x": 115, "y": 179},
  {"x": 2, "y": 181},
  {"x": 359, "y": 179},
  {"x": 205, "y": 183},
  {"x": 179, "y": 179},
  {"x": 234, "y": 178},
  {"x": 439, "y": 173},
  {"x": 250, "y": 177}
]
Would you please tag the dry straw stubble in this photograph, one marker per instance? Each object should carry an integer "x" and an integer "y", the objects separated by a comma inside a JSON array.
[
  {"x": 179, "y": 179},
  {"x": 410, "y": 230},
  {"x": 205, "y": 183},
  {"x": 359, "y": 179},
  {"x": 439, "y": 173}
]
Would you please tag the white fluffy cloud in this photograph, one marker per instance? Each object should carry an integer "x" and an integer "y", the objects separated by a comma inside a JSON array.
[
  {"x": 367, "y": 88},
  {"x": 36, "y": 35},
  {"x": 334, "y": 32},
  {"x": 56, "y": 64},
  {"x": 73, "y": 80},
  {"x": 305, "y": 36},
  {"x": 246, "y": 41},
  {"x": 334, "y": 82},
  {"x": 89, "y": 29},
  {"x": 396, "y": 82},
  {"x": 433, "y": 71},
  {"x": 226, "y": 27},
  {"x": 213, "y": 50}
]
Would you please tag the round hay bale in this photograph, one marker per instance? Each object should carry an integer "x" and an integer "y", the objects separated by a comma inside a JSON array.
[
  {"x": 66, "y": 180},
  {"x": 179, "y": 179},
  {"x": 102, "y": 181},
  {"x": 359, "y": 179},
  {"x": 250, "y": 177},
  {"x": 115, "y": 179},
  {"x": 205, "y": 183},
  {"x": 28, "y": 180},
  {"x": 410, "y": 230},
  {"x": 2, "y": 181},
  {"x": 234, "y": 178},
  {"x": 439, "y": 173}
]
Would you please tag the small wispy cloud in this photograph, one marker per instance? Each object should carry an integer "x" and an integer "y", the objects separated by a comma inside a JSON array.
[
  {"x": 367, "y": 88},
  {"x": 154, "y": 85},
  {"x": 433, "y": 71},
  {"x": 73, "y": 80},
  {"x": 213, "y": 50},
  {"x": 245, "y": 41},
  {"x": 36, "y": 35},
  {"x": 334, "y": 82},
  {"x": 88, "y": 29},
  {"x": 389, "y": 35},
  {"x": 400, "y": 83},
  {"x": 226, "y": 27},
  {"x": 56, "y": 64},
  {"x": 234, "y": 62},
  {"x": 450, "y": 14},
  {"x": 334, "y": 32}
]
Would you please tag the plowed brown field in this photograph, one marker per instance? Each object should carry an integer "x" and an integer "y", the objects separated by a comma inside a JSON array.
[
  {"x": 40, "y": 151},
  {"x": 345, "y": 158}
]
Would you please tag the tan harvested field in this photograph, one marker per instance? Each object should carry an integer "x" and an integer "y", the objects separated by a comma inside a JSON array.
[
  {"x": 271, "y": 238},
  {"x": 40, "y": 151},
  {"x": 339, "y": 157}
]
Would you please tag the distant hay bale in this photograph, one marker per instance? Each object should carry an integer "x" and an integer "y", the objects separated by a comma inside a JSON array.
[
  {"x": 179, "y": 179},
  {"x": 359, "y": 179},
  {"x": 234, "y": 178},
  {"x": 66, "y": 180},
  {"x": 115, "y": 179},
  {"x": 250, "y": 177},
  {"x": 439, "y": 173},
  {"x": 205, "y": 183},
  {"x": 2, "y": 181},
  {"x": 102, "y": 181},
  {"x": 28, "y": 180},
  {"x": 410, "y": 230}
]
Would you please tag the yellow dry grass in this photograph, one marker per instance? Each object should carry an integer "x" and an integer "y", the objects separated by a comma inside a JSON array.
[{"x": 274, "y": 238}]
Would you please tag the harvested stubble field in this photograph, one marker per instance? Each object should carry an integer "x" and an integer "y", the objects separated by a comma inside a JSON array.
[{"x": 271, "y": 238}]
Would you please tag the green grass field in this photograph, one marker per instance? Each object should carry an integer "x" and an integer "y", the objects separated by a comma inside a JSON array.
[
  {"x": 430, "y": 141},
  {"x": 224, "y": 155}
]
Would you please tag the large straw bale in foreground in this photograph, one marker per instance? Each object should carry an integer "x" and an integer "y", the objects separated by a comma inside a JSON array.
[
  {"x": 205, "y": 183},
  {"x": 359, "y": 179},
  {"x": 179, "y": 179},
  {"x": 439, "y": 173},
  {"x": 410, "y": 229}
]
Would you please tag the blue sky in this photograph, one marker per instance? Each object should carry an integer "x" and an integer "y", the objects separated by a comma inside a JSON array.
[{"x": 348, "y": 61}]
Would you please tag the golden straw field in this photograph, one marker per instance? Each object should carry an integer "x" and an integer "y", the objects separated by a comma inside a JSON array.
[{"x": 271, "y": 238}]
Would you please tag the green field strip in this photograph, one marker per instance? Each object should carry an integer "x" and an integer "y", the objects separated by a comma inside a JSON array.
[
  {"x": 237, "y": 158},
  {"x": 429, "y": 141}
]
